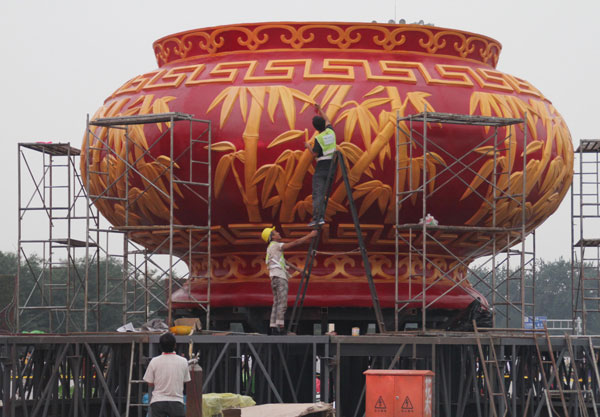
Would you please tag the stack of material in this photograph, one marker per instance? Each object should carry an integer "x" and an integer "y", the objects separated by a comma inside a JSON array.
[{"x": 283, "y": 410}]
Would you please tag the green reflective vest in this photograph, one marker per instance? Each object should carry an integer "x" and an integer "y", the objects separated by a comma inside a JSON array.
[
  {"x": 327, "y": 141},
  {"x": 281, "y": 260}
]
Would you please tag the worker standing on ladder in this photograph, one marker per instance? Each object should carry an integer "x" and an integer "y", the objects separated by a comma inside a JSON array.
[
  {"x": 323, "y": 150},
  {"x": 279, "y": 272}
]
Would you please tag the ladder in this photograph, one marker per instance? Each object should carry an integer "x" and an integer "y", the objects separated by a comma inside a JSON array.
[
  {"x": 338, "y": 159},
  {"x": 491, "y": 367},
  {"x": 554, "y": 376}
]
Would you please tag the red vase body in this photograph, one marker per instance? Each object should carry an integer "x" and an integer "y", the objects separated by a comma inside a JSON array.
[{"x": 257, "y": 84}]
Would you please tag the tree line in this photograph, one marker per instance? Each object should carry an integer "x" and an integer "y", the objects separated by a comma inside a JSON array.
[{"x": 553, "y": 292}]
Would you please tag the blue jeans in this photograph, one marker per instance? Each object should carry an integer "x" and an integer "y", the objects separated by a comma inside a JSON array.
[{"x": 318, "y": 188}]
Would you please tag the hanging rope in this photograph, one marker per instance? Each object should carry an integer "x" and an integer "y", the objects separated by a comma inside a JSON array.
[{"x": 357, "y": 250}]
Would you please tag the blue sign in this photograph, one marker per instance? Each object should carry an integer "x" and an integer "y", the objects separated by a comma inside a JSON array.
[{"x": 535, "y": 323}]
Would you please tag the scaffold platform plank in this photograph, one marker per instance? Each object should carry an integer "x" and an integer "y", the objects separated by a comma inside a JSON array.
[
  {"x": 481, "y": 229},
  {"x": 588, "y": 146},
  {"x": 54, "y": 149},
  {"x": 73, "y": 243},
  {"x": 143, "y": 119},
  {"x": 462, "y": 119},
  {"x": 588, "y": 243}
]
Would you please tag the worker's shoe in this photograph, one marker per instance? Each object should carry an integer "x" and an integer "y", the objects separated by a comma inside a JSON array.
[{"x": 315, "y": 224}]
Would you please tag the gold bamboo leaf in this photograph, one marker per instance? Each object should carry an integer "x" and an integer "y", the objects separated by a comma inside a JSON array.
[
  {"x": 515, "y": 185},
  {"x": 286, "y": 137},
  {"x": 241, "y": 156},
  {"x": 533, "y": 176},
  {"x": 431, "y": 172},
  {"x": 437, "y": 158},
  {"x": 533, "y": 147},
  {"x": 272, "y": 201},
  {"x": 137, "y": 136},
  {"x": 301, "y": 96},
  {"x": 285, "y": 155},
  {"x": 220, "y": 97},
  {"x": 541, "y": 110},
  {"x": 224, "y": 146},
  {"x": 261, "y": 173},
  {"x": 225, "y": 163},
  {"x": 416, "y": 178},
  {"x": 258, "y": 95},
  {"x": 549, "y": 179},
  {"x": 484, "y": 172},
  {"x": 289, "y": 168},
  {"x": 332, "y": 204},
  {"x": 270, "y": 178},
  {"x": 243, "y": 96},
  {"x": 162, "y": 107},
  {"x": 386, "y": 151},
  {"x": 351, "y": 119},
  {"x": 273, "y": 101},
  {"x": 374, "y": 91},
  {"x": 289, "y": 106},
  {"x": 331, "y": 90},
  {"x": 146, "y": 104},
  {"x": 383, "y": 118},
  {"x": 368, "y": 185},
  {"x": 500, "y": 99},
  {"x": 417, "y": 99},
  {"x": 313, "y": 95},
  {"x": 303, "y": 207},
  {"x": 228, "y": 105},
  {"x": 485, "y": 150},
  {"x": 166, "y": 161},
  {"x": 374, "y": 102},
  {"x": 383, "y": 198},
  {"x": 368, "y": 201},
  {"x": 474, "y": 102},
  {"x": 366, "y": 121},
  {"x": 158, "y": 108}
]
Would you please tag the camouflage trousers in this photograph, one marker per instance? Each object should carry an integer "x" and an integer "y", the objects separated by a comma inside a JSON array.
[{"x": 280, "y": 293}]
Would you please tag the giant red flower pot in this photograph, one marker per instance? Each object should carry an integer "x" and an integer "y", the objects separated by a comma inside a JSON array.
[{"x": 258, "y": 83}]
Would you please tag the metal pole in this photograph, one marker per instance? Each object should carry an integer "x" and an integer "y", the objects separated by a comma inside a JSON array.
[
  {"x": 424, "y": 226},
  {"x": 524, "y": 220},
  {"x": 396, "y": 212},
  {"x": 19, "y": 248},
  {"x": 171, "y": 229}
]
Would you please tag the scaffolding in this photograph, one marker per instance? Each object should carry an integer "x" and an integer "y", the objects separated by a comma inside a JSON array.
[
  {"x": 52, "y": 215},
  {"x": 151, "y": 253},
  {"x": 509, "y": 284},
  {"x": 585, "y": 238}
]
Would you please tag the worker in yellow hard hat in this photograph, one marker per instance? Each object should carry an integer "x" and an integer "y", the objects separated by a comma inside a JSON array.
[{"x": 279, "y": 272}]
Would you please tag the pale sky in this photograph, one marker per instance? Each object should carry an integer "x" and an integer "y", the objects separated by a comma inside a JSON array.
[{"x": 61, "y": 59}]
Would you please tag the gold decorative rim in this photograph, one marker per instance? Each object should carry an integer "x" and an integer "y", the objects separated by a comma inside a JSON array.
[{"x": 326, "y": 36}]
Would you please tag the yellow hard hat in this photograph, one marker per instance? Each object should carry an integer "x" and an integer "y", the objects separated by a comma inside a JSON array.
[{"x": 266, "y": 233}]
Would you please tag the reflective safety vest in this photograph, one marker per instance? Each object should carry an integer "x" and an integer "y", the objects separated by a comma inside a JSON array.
[
  {"x": 281, "y": 260},
  {"x": 327, "y": 141}
]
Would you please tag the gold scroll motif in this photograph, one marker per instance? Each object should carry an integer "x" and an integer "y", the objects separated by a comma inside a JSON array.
[
  {"x": 340, "y": 38},
  {"x": 339, "y": 269},
  {"x": 334, "y": 69}
]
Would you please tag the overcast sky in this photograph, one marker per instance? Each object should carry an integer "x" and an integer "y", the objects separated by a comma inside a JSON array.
[{"x": 61, "y": 59}]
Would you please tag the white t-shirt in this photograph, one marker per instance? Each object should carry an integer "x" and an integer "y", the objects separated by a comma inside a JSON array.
[
  {"x": 274, "y": 252},
  {"x": 168, "y": 372}
]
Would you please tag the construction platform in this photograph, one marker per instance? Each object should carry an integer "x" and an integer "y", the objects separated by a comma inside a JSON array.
[{"x": 500, "y": 372}]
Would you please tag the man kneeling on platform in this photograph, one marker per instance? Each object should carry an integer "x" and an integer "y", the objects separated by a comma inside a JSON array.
[{"x": 279, "y": 272}]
